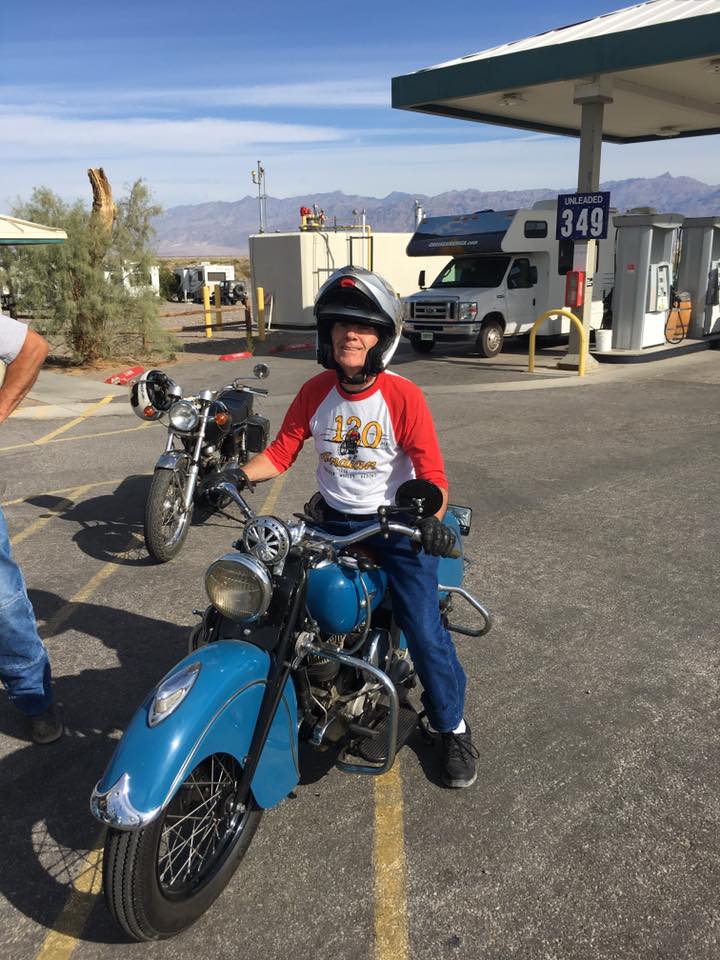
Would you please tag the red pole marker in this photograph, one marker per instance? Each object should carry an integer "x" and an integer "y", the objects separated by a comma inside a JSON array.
[
  {"x": 245, "y": 355},
  {"x": 126, "y": 376}
]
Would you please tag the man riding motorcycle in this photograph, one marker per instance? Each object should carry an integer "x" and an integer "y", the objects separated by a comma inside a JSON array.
[{"x": 373, "y": 431}]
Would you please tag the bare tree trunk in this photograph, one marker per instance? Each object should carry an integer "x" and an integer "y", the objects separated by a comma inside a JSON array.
[{"x": 104, "y": 210}]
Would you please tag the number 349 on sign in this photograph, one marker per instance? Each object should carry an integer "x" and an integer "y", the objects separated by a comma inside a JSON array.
[{"x": 582, "y": 216}]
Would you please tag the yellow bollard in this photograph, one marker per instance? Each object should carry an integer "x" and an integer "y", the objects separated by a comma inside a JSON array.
[
  {"x": 218, "y": 306},
  {"x": 563, "y": 312},
  {"x": 208, "y": 315},
  {"x": 261, "y": 312}
]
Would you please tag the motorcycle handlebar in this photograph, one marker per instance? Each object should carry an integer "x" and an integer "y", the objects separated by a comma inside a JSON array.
[{"x": 373, "y": 528}]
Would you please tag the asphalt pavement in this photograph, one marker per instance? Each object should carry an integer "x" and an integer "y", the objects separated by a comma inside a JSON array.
[{"x": 593, "y": 830}]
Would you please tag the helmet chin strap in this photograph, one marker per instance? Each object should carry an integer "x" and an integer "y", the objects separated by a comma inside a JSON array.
[{"x": 356, "y": 379}]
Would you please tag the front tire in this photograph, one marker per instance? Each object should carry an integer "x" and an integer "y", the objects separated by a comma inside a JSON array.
[
  {"x": 161, "y": 879},
  {"x": 166, "y": 523},
  {"x": 421, "y": 346},
  {"x": 490, "y": 338}
]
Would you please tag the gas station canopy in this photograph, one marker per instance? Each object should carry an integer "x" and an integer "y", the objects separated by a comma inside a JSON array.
[
  {"x": 14, "y": 232},
  {"x": 656, "y": 66}
]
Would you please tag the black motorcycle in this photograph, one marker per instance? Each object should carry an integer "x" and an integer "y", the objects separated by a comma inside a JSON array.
[{"x": 207, "y": 434}]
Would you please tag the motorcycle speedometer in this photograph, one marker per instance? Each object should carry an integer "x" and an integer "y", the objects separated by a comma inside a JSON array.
[
  {"x": 239, "y": 586},
  {"x": 183, "y": 416}
]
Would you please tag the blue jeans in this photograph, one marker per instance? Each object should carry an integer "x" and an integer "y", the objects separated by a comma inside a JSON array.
[
  {"x": 24, "y": 664},
  {"x": 413, "y": 581}
]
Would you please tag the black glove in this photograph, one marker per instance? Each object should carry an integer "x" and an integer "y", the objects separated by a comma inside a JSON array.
[
  {"x": 238, "y": 478},
  {"x": 437, "y": 539}
]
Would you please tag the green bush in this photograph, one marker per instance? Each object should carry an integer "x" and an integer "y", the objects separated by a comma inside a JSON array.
[{"x": 76, "y": 290}]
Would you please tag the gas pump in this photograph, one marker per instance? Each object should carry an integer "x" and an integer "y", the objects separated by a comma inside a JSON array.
[
  {"x": 644, "y": 277},
  {"x": 698, "y": 273}
]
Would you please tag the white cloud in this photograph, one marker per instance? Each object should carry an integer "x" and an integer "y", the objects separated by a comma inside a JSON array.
[
  {"x": 329, "y": 93},
  {"x": 31, "y": 135}
]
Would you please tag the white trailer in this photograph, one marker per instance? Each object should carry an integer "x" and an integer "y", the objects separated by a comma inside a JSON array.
[
  {"x": 291, "y": 267},
  {"x": 194, "y": 278},
  {"x": 507, "y": 269}
]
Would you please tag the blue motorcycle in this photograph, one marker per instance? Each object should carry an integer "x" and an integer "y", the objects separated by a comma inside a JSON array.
[{"x": 298, "y": 643}]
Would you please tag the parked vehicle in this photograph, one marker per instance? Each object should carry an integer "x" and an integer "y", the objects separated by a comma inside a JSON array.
[
  {"x": 206, "y": 435},
  {"x": 231, "y": 292},
  {"x": 298, "y": 642},
  {"x": 507, "y": 270},
  {"x": 192, "y": 279}
]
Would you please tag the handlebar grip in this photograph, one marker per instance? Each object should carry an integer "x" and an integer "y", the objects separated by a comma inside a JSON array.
[{"x": 456, "y": 553}]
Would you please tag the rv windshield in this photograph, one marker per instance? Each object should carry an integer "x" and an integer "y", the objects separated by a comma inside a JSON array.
[{"x": 473, "y": 272}]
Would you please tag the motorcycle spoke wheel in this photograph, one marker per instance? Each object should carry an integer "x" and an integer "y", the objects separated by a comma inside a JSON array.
[
  {"x": 166, "y": 521},
  {"x": 160, "y": 880}
]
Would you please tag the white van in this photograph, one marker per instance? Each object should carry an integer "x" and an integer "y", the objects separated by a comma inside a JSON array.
[{"x": 507, "y": 270}]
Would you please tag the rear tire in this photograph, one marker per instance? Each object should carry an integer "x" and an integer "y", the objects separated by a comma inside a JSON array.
[
  {"x": 490, "y": 338},
  {"x": 159, "y": 880},
  {"x": 166, "y": 526},
  {"x": 421, "y": 346}
]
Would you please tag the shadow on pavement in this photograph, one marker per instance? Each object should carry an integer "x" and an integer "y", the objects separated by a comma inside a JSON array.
[{"x": 48, "y": 828}]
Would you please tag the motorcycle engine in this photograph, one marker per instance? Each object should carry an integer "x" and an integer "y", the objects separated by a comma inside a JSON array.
[{"x": 321, "y": 671}]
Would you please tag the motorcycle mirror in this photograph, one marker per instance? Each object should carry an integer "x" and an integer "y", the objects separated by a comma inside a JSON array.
[
  {"x": 261, "y": 371},
  {"x": 419, "y": 496}
]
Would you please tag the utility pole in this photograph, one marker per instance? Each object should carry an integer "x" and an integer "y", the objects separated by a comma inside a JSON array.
[{"x": 258, "y": 178}]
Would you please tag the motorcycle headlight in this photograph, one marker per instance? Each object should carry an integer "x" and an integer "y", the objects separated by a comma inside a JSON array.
[
  {"x": 239, "y": 586},
  {"x": 183, "y": 416},
  {"x": 468, "y": 311}
]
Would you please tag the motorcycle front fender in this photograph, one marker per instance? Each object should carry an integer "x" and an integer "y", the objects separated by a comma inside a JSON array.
[
  {"x": 172, "y": 459},
  {"x": 218, "y": 715}
]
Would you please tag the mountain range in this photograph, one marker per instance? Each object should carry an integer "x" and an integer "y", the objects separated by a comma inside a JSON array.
[{"x": 222, "y": 228}]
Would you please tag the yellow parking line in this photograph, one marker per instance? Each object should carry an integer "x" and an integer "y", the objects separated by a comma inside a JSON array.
[
  {"x": 65, "y": 612},
  {"x": 60, "y": 943},
  {"x": 391, "y": 926},
  {"x": 83, "y": 416},
  {"x": 52, "y": 493},
  {"x": 41, "y": 521},
  {"x": 84, "y": 436}
]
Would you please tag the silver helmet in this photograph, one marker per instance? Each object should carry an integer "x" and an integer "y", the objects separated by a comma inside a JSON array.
[
  {"x": 355, "y": 294},
  {"x": 152, "y": 394}
]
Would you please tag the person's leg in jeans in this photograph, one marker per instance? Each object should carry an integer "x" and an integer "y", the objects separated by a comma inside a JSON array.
[
  {"x": 24, "y": 664},
  {"x": 413, "y": 584}
]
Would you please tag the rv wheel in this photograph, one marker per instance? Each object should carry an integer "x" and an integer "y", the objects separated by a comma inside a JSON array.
[
  {"x": 490, "y": 338},
  {"x": 421, "y": 346}
]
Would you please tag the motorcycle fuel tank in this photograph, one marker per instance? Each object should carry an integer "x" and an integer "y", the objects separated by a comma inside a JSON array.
[{"x": 336, "y": 599}]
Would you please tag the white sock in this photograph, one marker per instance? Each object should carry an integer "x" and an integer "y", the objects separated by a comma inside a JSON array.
[{"x": 460, "y": 728}]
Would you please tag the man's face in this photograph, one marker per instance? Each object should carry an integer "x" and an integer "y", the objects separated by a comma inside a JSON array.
[{"x": 351, "y": 342}]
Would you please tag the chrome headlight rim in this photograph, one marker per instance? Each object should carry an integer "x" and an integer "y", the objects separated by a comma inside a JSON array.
[
  {"x": 261, "y": 575},
  {"x": 183, "y": 408}
]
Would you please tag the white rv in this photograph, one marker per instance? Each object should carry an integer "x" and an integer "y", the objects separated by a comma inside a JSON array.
[
  {"x": 507, "y": 270},
  {"x": 194, "y": 278}
]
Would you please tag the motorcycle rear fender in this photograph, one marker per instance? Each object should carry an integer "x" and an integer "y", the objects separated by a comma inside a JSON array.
[
  {"x": 218, "y": 715},
  {"x": 172, "y": 459}
]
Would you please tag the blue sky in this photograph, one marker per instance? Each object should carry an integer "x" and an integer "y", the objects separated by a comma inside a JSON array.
[{"x": 189, "y": 96}]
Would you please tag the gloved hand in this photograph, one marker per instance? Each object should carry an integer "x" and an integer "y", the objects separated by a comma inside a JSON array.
[
  {"x": 237, "y": 477},
  {"x": 437, "y": 539}
]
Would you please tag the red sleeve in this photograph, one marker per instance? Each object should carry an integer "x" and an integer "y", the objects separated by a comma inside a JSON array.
[
  {"x": 414, "y": 428},
  {"x": 295, "y": 428}
]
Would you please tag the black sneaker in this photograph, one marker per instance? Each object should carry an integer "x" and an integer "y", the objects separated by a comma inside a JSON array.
[
  {"x": 46, "y": 727},
  {"x": 459, "y": 756}
]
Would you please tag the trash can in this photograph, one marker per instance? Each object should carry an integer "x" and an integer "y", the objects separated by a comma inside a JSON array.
[{"x": 603, "y": 341}]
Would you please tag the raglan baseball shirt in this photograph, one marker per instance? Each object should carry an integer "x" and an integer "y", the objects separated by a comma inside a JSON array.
[{"x": 367, "y": 443}]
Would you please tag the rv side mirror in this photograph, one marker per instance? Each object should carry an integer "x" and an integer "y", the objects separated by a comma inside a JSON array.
[
  {"x": 533, "y": 275},
  {"x": 421, "y": 279}
]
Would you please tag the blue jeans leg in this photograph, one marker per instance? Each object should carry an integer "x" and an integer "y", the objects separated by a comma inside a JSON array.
[
  {"x": 413, "y": 581},
  {"x": 24, "y": 663}
]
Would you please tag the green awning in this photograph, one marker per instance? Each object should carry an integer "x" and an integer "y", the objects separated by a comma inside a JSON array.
[{"x": 14, "y": 232}]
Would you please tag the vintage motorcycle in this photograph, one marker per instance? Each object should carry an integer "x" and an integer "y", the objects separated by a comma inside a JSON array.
[
  {"x": 207, "y": 434},
  {"x": 298, "y": 643}
]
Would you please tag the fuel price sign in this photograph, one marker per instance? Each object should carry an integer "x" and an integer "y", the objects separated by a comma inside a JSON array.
[{"x": 582, "y": 216}]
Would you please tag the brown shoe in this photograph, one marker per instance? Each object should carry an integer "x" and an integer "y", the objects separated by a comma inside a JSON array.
[{"x": 46, "y": 727}]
